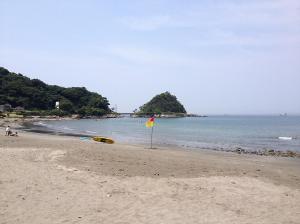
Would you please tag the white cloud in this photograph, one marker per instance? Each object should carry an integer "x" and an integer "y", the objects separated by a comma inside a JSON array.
[{"x": 241, "y": 23}]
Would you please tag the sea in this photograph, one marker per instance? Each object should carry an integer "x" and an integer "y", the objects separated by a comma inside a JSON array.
[{"x": 213, "y": 132}]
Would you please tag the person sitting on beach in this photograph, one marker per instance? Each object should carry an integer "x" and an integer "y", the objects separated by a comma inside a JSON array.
[
  {"x": 8, "y": 131},
  {"x": 15, "y": 134}
]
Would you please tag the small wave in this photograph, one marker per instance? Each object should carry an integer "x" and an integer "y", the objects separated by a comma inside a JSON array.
[
  {"x": 40, "y": 123},
  {"x": 66, "y": 128},
  {"x": 285, "y": 138},
  {"x": 92, "y": 132}
]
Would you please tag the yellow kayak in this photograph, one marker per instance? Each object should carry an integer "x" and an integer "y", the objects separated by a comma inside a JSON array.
[{"x": 103, "y": 139}]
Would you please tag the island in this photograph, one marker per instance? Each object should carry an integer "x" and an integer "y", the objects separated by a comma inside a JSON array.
[{"x": 163, "y": 105}]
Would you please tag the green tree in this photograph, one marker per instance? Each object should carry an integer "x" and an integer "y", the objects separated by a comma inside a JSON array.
[
  {"x": 163, "y": 103},
  {"x": 35, "y": 95},
  {"x": 66, "y": 105}
]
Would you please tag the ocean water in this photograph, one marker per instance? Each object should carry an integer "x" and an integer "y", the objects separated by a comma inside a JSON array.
[{"x": 214, "y": 132}]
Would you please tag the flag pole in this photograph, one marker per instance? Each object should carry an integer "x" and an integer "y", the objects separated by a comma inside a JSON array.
[
  {"x": 151, "y": 136},
  {"x": 150, "y": 123}
]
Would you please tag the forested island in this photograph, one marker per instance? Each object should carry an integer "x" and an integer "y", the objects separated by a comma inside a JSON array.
[
  {"x": 38, "y": 98},
  {"x": 163, "y": 105}
]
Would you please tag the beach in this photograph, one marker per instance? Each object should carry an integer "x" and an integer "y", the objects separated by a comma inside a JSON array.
[
  {"x": 59, "y": 179},
  {"x": 150, "y": 112}
]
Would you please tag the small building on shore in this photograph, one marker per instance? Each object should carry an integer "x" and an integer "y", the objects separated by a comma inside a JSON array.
[{"x": 5, "y": 108}]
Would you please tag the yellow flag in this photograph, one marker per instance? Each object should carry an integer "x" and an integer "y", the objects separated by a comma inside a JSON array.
[{"x": 150, "y": 123}]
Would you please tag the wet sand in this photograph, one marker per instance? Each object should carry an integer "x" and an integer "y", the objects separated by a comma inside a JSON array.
[{"x": 54, "y": 179}]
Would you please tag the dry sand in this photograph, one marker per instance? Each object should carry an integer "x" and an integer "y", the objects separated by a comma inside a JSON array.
[{"x": 49, "y": 179}]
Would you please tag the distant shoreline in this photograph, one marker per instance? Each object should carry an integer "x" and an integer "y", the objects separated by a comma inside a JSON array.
[{"x": 28, "y": 125}]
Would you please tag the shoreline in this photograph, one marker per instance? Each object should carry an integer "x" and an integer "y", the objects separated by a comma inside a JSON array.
[
  {"x": 42, "y": 141},
  {"x": 28, "y": 125}
]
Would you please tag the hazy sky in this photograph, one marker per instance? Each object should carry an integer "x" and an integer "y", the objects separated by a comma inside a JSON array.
[{"x": 217, "y": 57}]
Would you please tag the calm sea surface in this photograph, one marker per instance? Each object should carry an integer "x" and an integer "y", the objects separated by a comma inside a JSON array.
[{"x": 218, "y": 132}]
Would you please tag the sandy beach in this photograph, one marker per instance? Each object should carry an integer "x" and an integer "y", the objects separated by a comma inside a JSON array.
[{"x": 55, "y": 179}]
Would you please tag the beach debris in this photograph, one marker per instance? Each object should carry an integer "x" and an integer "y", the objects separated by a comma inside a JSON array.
[
  {"x": 240, "y": 150},
  {"x": 108, "y": 195},
  {"x": 290, "y": 154},
  {"x": 268, "y": 152}
]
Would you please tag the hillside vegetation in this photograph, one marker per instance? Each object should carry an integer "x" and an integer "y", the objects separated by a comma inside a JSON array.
[
  {"x": 35, "y": 95},
  {"x": 163, "y": 103}
]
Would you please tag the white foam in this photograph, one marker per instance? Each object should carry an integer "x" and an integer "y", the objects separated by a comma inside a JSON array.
[
  {"x": 66, "y": 128},
  {"x": 285, "y": 138},
  {"x": 92, "y": 132},
  {"x": 40, "y": 123}
]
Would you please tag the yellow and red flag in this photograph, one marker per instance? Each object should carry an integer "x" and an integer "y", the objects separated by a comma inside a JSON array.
[{"x": 150, "y": 122}]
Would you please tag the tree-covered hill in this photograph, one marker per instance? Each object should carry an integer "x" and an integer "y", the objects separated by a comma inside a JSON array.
[
  {"x": 33, "y": 94},
  {"x": 163, "y": 103}
]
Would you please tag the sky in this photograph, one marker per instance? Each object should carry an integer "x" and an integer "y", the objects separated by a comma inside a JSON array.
[{"x": 217, "y": 57}]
